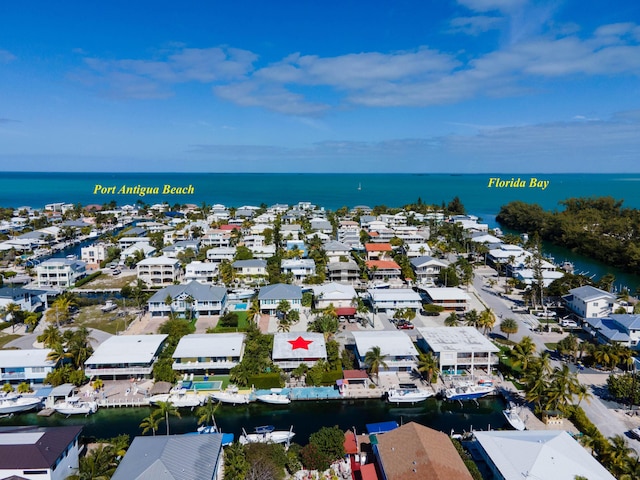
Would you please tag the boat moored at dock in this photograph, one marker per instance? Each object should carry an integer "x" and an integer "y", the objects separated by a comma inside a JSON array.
[
  {"x": 408, "y": 393},
  {"x": 266, "y": 434}
]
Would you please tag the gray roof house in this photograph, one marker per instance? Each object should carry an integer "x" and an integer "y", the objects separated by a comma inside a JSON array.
[
  {"x": 250, "y": 267},
  {"x": 590, "y": 302},
  {"x": 271, "y": 295},
  {"x": 623, "y": 329},
  {"x": 172, "y": 457},
  {"x": 201, "y": 299}
]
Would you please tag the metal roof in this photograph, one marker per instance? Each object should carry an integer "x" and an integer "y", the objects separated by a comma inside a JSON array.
[{"x": 127, "y": 349}]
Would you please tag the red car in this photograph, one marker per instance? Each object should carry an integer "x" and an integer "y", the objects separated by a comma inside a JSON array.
[{"x": 406, "y": 326}]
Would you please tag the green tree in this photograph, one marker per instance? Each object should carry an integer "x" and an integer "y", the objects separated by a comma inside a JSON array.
[
  {"x": 452, "y": 320},
  {"x": 236, "y": 465},
  {"x": 487, "y": 320},
  {"x": 165, "y": 409},
  {"x": 207, "y": 413},
  {"x": 151, "y": 423},
  {"x": 428, "y": 365},
  {"x": 374, "y": 359},
  {"x": 509, "y": 326}
]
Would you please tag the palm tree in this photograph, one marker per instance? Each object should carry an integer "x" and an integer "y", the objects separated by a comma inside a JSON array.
[
  {"x": 165, "y": 409},
  {"x": 564, "y": 384},
  {"x": 487, "y": 320},
  {"x": 152, "y": 422},
  {"x": 522, "y": 353},
  {"x": 615, "y": 458},
  {"x": 11, "y": 309},
  {"x": 583, "y": 393},
  {"x": 254, "y": 311},
  {"x": 428, "y": 364},
  {"x": 509, "y": 326},
  {"x": 79, "y": 346},
  {"x": 206, "y": 413},
  {"x": 50, "y": 336},
  {"x": 374, "y": 359},
  {"x": 331, "y": 311},
  {"x": 471, "y": 318},
  {"x": 452, "y": 320},
  {"x": 58, "y": 353}
]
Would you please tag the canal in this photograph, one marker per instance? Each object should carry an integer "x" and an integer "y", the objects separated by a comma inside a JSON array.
[{"x": 305, "y": 417}]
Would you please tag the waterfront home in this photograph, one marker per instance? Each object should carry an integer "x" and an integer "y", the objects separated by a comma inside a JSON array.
[
  {"x": 188, "y": 300},
  {"x": 298, "y": 268},
  {"x": 344, "y": 272},
  {"x": 383, "y": 270},
  {"x": 427, "y": 269},
  {"x": 378, "y": 251},
  {"x": 590, "y": 302},
  {"x": 28, "y": 365},
  {"x": 159, "y": 270},
  {"x": 398, "y": 350},
  {"x": 292, "y": 349},
  {"x": 203, "y": 272},
  {"x": 458, "y": 349},
  {"x": 60, "y": 272},
  {"x": 548, "y": 454},
  {"x": 527, "y": 276},
  {"x": 391, "y": 299},
  {"x": 621, "y": 329},
  {"x": 271, "y": 296},
  {"x": 218, "y": 254},
  {"x": 183, "y": 457},
  {"x": 337, "y": 251},
  {"x": 333, "y": 293},
  {"x": 449, "y": 298},
  {"x": 349, "y": 233},
  {"x": 39, "y": 453},
  {"x": 93, "y": 254},
  {"x": 145, "y": 249},
  {"x": 125, "y": 356},
  {"x": 415, "y": 451},
  {"x": 250, "y": 268},
  {"x": 126, "y": 242},
  {"x": 29, "y": 300},
  {"x": 208, "y": 353}
]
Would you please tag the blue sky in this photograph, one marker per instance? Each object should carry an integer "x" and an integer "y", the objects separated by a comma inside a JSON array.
[{"x": 352, "y": 86}]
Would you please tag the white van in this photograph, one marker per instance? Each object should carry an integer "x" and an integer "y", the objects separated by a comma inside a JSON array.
[{"x": 568, "y": 323}]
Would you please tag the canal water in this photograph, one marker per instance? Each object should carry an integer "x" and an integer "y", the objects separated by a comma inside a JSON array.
[{"x": 305, "y": 417}]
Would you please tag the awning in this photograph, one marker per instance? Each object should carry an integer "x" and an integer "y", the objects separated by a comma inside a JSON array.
[{"x": 345, "y": 311}]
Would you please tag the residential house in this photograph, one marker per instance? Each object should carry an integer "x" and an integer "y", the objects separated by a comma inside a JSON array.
[
  {"x": 125, "y": 356},
  {"x": 271, "y": 295},
  {"x": 93, "y": 254},
  {"x": 159, "y": 270},
  {"x": 415, "y": 451},
  {"x": 379, "y": 251},
  {"x": 29, "y": 300},
  {"x": 181, "y": 246},
  {"x": 459, "y": 349},
  {"x": 413, "y": 250},
  {"x": 183, "y": 457},
  {"x": 449, "y": 298},
  {"x": 590, "y": 302},
  {"x": 191, "y": 299},
  {"x": 204, "y": 272},
  {"x": 292, "y": 349},
  {"x": 250, "y": 268},
  {"x": 126, "y": 242},
  {"x": 39, "y": 453},
  {"x": 400, "y": 355},
  {"x": 344, "y": 272},
  {"x": 299, "y": 268},
  {"x": 383, "y": 270},
  {"x": 291, "y": 231},
  {"x": 263, "y": 251},
  {"x": 333, "y": 293},
  {"x": 321, "y": 225},
  {"x": 26, "y": 365},
  {"x": 218, "y": 254},
  {"x": 427, "y": 269},
  {"x": 337, "y": 251},
  {"x": 548, "y": 454},
  {"x": 216, "y": 237},
  {"x": 208, "y": 353},
  {"x": 621, "y": 329},
  {"x": 132, "y": 251},
  {"x": 391, "y": 299},
  {"x": 60, "y": 272}
]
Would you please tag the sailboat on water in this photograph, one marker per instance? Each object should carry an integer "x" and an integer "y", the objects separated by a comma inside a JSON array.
[{"x": 359, "y": 186}]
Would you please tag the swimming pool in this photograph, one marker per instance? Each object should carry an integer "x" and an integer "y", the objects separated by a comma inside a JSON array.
[
  {"x": 314, "y": 393},
  {"x": 198, "y": 386},
  {"x": 240, "y": 306}
]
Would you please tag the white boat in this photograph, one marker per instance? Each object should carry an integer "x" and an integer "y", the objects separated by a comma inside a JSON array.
[
  {"x": 75, "y": 406},
  {"x": 275, "y": 397},
  {"x": 108, "y": 306},
  {"x": 179, "y": 398},
  {"x": 511, "y": 414},
  {"x": 468, "y": 391},
  {"x": 231, "y": 395},
  {"x": 17, "y": 403},
  {"x": 408, "y": 394},
  {"x": 266, "y": 434},
  {"x": 241, "y": 294}
]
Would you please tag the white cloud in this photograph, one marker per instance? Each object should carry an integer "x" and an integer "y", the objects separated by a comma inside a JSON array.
[
  {"x": 492, "y": 5},
  {"x": 475, "y": 25}
]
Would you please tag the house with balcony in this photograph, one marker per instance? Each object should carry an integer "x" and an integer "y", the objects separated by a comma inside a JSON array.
[
  {"x": 29, "y": 300},
  {"x": 292, "y": 349},
  {"x": 125, "y": 356},
  {"x": 383, "y": 270},
  {"x": 620, "y": 329},
  {"x": 333, "y": 293},
  {"x": 452, "y": 299},
  {"x": 172, "y": 251},
  {"x": 218, "y": 254},
  {"x": 347, "y": 273},
  {"x": 39, "y": 453},
  {"x": 92, "y": 255},
  {"x": 398, "y": 350},
  {"x": 132, "y": 251},
  {"x": 337, "y": 251},
  {"x": 379, "y": 251},
  {"x": 271, "y": 295},
  {"x": 298, "y": 268},
  {"x": 126, "y": 242},
  {"x": 60, "y": 272},
  {"x": 208, "y": 353},
  {"x": 590, "y": 302},
  {"x": 427, "y": 269},
  {"x": 28, "y": 365},
  {"x": 203, "y": 272},
  {"x": 159, "y": 270},
  {"x": 392, "y": 299},
  {"x": 193, "y": 299},
  {"x": 459, "y": 349},
  {"x": 216, "y": 237},
  {"x": 253, "y": 268}
]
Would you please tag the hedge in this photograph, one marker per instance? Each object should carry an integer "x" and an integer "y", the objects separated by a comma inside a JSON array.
[
  {"x": 264, "y": 381},
  {"x": 329, "y": 378},
  {"x": 88, "y": 278}
]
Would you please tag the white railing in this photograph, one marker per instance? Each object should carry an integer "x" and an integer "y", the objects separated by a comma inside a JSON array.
[{"x": 118, "y": 371}]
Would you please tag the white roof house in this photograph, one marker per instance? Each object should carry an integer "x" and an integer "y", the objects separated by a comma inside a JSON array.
[
  {"x": 336, "y": 293},
  {"x": 547, "y": 454},
  {"x": 450, "y": 298},
  {"x": 459, "y": 348},
  {"x": 30, "y": 365},
  {"x": 394, "y": 298},
  {"x": 128, "y": 355},
  {"x": 294, "y": 348},
  {"x": 220, "y": 351},
  {"x": 396, "y": 346}
]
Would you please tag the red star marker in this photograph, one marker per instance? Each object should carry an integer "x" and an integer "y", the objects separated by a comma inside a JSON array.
[{"x": 300, "y": 343}]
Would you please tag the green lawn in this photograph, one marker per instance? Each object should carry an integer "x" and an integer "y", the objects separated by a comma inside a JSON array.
[
  {"x": 6, "y": 338},
  {"x": 243, "y": 324},
  {"x": 110, "y": 322},
  {"x": 551, "y": 346}
]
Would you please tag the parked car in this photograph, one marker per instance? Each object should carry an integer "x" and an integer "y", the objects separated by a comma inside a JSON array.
[
  {"x": 406, "y": 326},
  {"x": 635, "y": 433},
  {"x": 568, "y": 323}
]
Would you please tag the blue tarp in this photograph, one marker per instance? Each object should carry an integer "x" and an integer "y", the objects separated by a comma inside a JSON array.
[{"x": 381, "y": 427}]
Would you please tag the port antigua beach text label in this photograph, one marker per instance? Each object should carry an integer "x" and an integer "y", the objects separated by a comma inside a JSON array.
[
  {"x": 141, "y": 190},
  {"x": 533, "y": 182}
]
